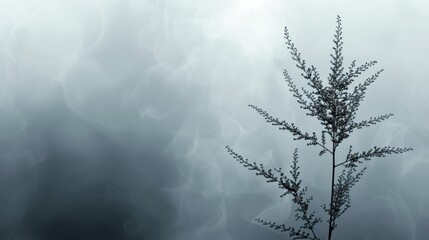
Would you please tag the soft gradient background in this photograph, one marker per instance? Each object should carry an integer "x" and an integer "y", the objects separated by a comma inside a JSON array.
[{"x": 114, "y": 115}]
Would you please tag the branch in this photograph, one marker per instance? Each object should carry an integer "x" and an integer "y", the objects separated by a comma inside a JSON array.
[
  {"x": 295, "y": 233},
  {"x": 316, "y": 106},
  {"x": 353, "y": 158},
  {"x": 283, "y": 125},
  {"x": 348, "y": 78},
  {"x": 299, "y": 96},
  {"x": 302, "y": 211},
  {"x": 282, "y": 181},
  {"x": 342, "y": 189},
  {"x": 337, "y": 58},
  {"x": 311, "y": 74},
  {"x": 369, "y": 122},
  {"x": 346, "y": 126},
  {"x": 293, "y": 187},
  {"x": 359, "y": 91}
]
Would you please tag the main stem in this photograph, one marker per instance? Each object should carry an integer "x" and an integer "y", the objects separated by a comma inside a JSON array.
[
  {"x": 331, "y": 217},
  {"x": 331, "y": 214}
]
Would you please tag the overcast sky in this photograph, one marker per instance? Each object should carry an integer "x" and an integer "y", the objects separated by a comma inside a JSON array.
[{"x": 114, "y": 116}]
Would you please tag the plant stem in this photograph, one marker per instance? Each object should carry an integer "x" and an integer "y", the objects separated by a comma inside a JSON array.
[
  {"x": 334, "y": 146},
  {"x": 331, "y": 217}
]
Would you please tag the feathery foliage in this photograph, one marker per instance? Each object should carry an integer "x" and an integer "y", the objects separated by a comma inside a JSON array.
[{"x": 335, "y": 105}]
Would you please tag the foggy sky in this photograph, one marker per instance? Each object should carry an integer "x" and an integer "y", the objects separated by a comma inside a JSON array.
[{"x": 114, "y": 115}]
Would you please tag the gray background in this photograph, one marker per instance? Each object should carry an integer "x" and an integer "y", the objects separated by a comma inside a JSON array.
[{"x": 115, "y": 114}]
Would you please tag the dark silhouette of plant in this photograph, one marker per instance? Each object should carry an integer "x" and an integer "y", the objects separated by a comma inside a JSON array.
[{"x": 335, "y": 105}]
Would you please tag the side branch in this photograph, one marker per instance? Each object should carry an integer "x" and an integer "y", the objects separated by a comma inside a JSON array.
[
  {"x": 309, "y": 73},
  {"x": 283, "y": 125},
  {"x": 294, "y": 233},
  {"x": 348, "y": 78},
  {"x": 310, "y": 106},
  {"x": 359, "y": 91},
  {"x": 270, "y": 175},
  {"x": 357, "y": 157},
  {"x": 302, "y": 211},
  {"x": 341, "y": 198},
  {"x": 369, "y": 122},
  {"x": 306, "y": 231}
]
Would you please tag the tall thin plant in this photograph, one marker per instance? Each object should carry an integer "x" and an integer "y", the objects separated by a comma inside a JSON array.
[{"x": 335, "y": 104}]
